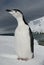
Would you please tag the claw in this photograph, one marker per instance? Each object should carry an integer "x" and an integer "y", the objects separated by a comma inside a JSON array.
[{"x": 24, "y": 59}]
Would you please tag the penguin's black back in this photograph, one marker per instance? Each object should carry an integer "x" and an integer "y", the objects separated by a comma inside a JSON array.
[{"x": 32, "y": 40}]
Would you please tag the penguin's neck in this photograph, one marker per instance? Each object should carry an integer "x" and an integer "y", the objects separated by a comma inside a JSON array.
[{"x": 20, "y": 22}]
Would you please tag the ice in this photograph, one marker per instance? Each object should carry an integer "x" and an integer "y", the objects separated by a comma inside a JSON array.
[
  {"x": 37, "y": 25},
  {"x": 9, "y": 57}
]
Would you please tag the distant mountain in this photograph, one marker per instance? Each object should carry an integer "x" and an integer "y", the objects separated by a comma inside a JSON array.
[
  {"x": 7, "y": 34},
  {"x": 37, "y": 25}
]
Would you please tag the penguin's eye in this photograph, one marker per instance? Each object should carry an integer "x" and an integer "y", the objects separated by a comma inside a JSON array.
[{"x": 17, "y": 12}]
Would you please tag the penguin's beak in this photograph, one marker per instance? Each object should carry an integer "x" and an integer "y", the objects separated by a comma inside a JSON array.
[{"x": 8, "y": 10}]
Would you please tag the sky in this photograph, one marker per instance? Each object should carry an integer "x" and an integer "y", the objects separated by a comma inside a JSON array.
[{"x": 32, "y": 9}]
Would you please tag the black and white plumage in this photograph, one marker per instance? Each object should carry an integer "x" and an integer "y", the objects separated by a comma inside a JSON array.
[{"x": 23, "y": 36}]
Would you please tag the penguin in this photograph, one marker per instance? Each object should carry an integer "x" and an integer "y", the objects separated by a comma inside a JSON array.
[{"x": 23, "y": 36}]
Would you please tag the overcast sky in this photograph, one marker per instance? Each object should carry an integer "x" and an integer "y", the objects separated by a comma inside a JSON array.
[{"x": 31, "y": 9}]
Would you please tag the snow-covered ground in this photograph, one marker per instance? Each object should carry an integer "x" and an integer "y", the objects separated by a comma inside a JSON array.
[
  {"x": 9, "y": 57},
  {"x": 37, "y": 25}
]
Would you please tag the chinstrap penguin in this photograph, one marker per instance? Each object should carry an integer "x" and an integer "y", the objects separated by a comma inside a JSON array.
[{"x": 23, "y": 36}]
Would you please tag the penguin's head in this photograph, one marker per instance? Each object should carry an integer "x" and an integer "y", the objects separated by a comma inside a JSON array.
[{"x": 15, "y": 12}]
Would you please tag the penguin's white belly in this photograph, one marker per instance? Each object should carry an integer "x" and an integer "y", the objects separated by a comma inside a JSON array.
[{"x": 22, "y": 40}]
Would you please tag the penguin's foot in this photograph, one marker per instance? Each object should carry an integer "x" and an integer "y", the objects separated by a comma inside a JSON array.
[{"x": 24, "y": 59}]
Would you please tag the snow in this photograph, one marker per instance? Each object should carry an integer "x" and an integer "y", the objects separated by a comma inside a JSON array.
[
  {"x": 37, "y": 25},
  {"x": 9, "y": 57}
]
